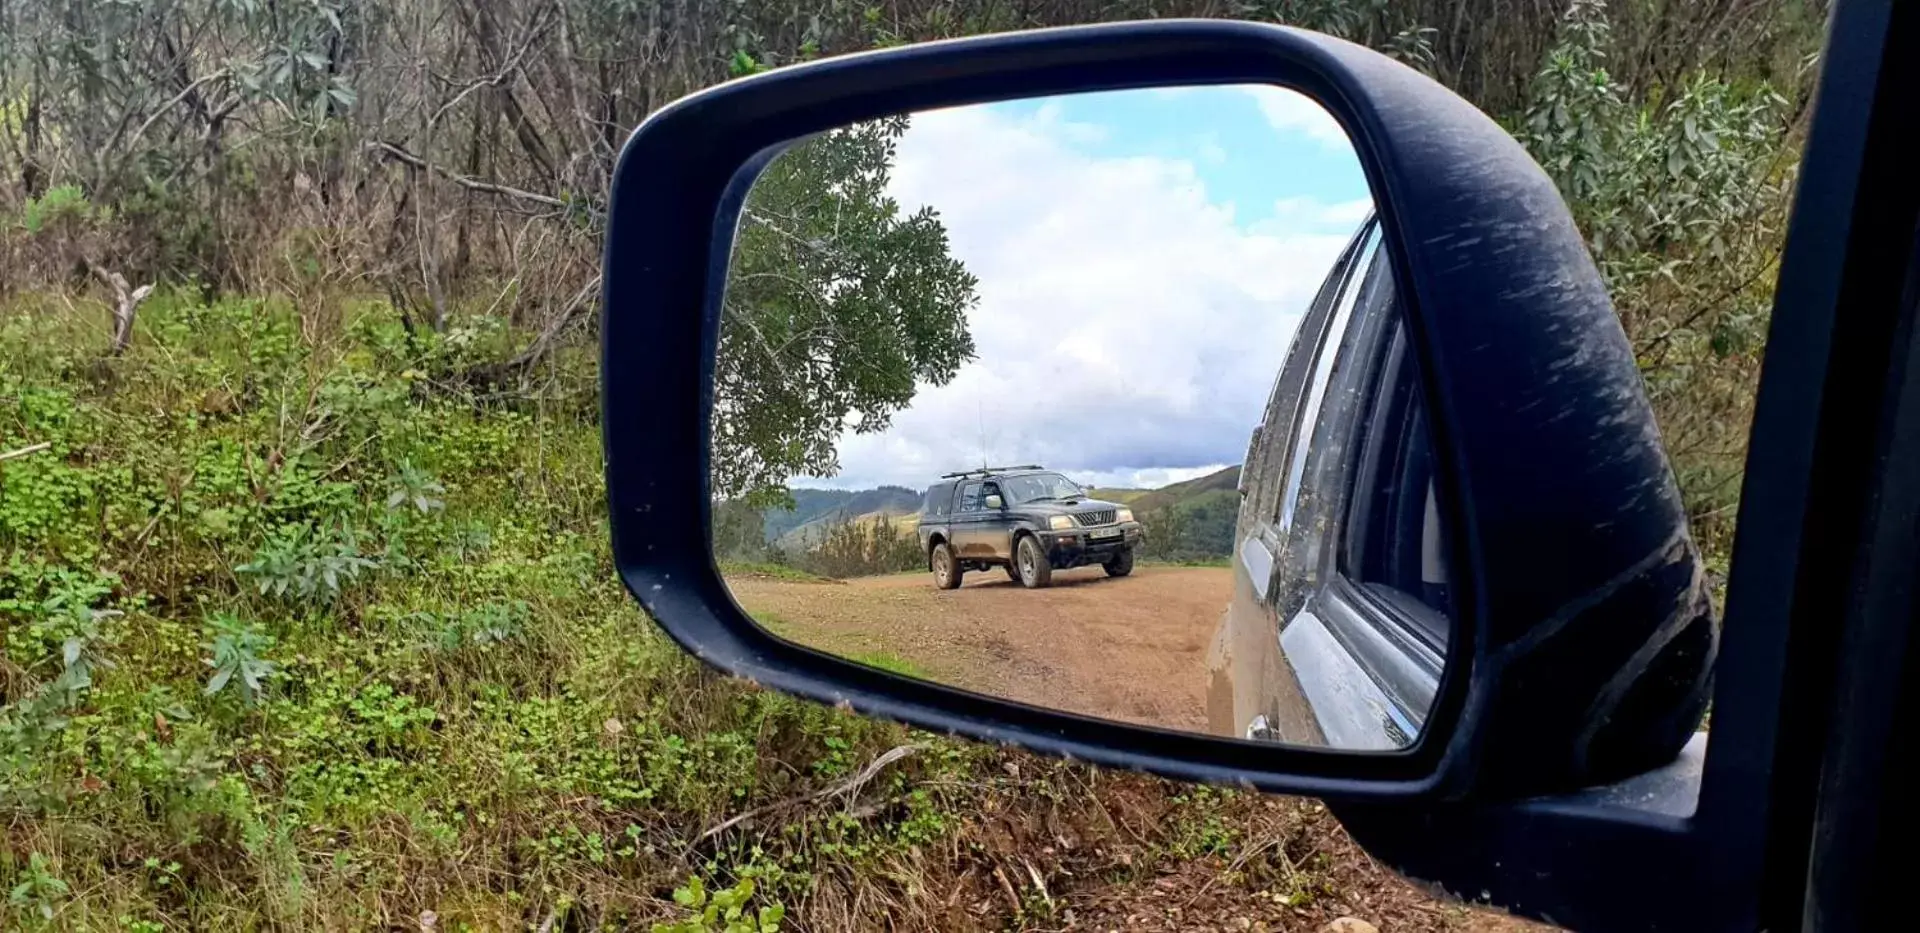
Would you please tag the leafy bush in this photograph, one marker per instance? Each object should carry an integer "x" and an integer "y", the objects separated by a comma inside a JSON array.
[
  {"x": 855, "y": 548},
  {"x": 725, "y": 911},
  {"x": 236, "y": 659},
  {"x": 301, "y": 563}
]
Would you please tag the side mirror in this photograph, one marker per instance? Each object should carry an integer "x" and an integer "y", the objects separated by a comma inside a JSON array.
[
  {"x": 1577, "y": 640},
  {"x": 995, "y": 502}
]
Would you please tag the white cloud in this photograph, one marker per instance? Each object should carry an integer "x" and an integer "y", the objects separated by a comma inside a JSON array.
[
  {"x": 1145, "y": 479},
  {"x": 1292, "y": 113},
  {"x": 1295, "y": 213},
  {"x": 1128, "y": 329}
]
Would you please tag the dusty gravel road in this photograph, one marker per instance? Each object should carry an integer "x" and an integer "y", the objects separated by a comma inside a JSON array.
[{"x": 1131, "y": 648}]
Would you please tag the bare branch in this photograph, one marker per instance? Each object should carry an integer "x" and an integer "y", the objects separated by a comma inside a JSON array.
[
  {"x": 125, "y": 302},
  {"x": 173, "y": 101},
  {"x": 543, "y": 344},
  {"x": 24, "y": 451},
  {"x": 846, "y": 787},
  {"x": 465, "y": 181}
]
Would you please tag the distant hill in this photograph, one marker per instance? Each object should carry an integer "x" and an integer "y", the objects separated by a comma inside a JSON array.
[
  {"x": 1172, "y": 494},
  {"x": 815, "y": 509},
  {"x": 1191, "y": 520}
]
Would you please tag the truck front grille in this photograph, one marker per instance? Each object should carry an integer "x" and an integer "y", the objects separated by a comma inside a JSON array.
[{"x": 1089, "y": 519}]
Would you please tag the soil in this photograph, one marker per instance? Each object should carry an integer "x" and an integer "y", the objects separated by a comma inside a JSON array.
[{"x": 1131, "y": 648}]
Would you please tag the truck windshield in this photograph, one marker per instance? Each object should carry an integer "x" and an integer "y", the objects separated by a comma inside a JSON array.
[{"x": 1037, "y": 486}]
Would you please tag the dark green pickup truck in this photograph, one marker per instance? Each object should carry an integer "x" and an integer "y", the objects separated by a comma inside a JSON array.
[{"x": 1026, "y": 520}]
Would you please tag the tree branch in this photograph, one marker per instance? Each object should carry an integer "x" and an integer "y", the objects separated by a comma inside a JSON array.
[
  {"x": 125, "y": 302},
  {"x": 469, "y": 182},
  {"x": 548, "y": 337},
  {"x": 847, "y": 786},
  {"x": 185, "y": 92}
]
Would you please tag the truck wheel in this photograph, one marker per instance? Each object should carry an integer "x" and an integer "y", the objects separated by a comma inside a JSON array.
[
  {"x": 1121, "y": 564},
  {"x": 1031, "y": 563},
  {"x": 946, "y": 571},
  {"x": 1012, "y": 574}
]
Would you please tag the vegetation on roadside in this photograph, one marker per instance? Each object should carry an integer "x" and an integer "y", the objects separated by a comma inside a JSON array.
[{"x": 296, "y": 637}]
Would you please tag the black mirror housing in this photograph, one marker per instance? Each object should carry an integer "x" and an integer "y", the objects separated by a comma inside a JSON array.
[{"x": 1585, "y": 638}]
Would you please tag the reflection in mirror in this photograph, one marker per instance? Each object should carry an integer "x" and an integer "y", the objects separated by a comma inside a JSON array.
[{"x": 1098, "y": 403}]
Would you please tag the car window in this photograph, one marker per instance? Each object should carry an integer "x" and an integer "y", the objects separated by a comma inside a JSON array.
[
  {"x": 1039, "y": 486},
  {"x": 939, "y": 498},
  {"x": 971, "y": 498},
  {"x": 1326, "y": 361},
  {"x": 1262, "y": 475},
  {"x": 1395, "y": 547}
]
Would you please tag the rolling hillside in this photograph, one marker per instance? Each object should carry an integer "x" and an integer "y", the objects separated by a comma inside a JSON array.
[
  {"x": 1191, "y": 520},
  {"x": 816, "y": 509},
  {"x": 1174, "y": 494}
]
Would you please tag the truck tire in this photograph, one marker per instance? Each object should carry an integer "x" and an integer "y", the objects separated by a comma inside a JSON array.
[
  {"x": 1031, "y": 563},
  {"x": 1121, "y": 564},
  {"x": 946, "y": 570},
  {"x": 1012, "y": 574}
]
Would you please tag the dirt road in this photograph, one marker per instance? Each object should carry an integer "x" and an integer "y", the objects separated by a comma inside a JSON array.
[{"x": 1130, "y": 648}]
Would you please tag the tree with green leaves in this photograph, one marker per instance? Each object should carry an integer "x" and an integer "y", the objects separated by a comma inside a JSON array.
[{"x": 839, "y": 305}]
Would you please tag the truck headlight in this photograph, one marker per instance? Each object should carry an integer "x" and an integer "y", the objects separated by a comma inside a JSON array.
[
  {"x": 1060, "y": 523},
  {"x": 1126, "y": 515}
]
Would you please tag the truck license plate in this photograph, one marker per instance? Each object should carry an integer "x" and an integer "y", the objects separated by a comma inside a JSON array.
[{"x": 1104, "y": 533}]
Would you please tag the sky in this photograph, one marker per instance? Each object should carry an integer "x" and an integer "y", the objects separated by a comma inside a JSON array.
[{"x": 1143, "y": 259}]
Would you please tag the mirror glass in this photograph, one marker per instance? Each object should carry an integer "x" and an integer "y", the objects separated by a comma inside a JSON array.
[{"x": 1099, "y": 403}]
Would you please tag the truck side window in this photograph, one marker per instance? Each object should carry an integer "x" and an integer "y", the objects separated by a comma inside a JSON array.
[
  {"x": 1368, "y": 269},
  {"x": 1264, "y": 470},
  {"x": 1395, "y": 547},
  {"x": 939, "y": 498},
  {"x": 972, "y": 499}
]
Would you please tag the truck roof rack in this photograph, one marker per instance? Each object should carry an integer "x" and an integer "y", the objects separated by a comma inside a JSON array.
[{"x": 989, "y": 471}]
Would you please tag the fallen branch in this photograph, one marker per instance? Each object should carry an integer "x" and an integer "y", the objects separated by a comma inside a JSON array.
[
  {"x": 125, "y": 302},
  {"x": 543, "y": 343},
  {"x": 24, "y": 451},
  {"x": 848, "y": 786}
]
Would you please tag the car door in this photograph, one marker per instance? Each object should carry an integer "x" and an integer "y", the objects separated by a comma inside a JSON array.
[
  {"x": 995, "y": 529},
  {"x": 1360, "y": 586},
  {"x": 1250, "y": 687},
  {"x": 1341, "y": 555},
  {"x": 969, "y": 520},
  {"x": 936, "y": 513}
]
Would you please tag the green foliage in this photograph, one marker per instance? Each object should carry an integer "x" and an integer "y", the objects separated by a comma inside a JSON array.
[
  {"x": 416, "y": 487},
  {"x": 1197, "y": 528},
  {"x": 728, "y": 910},
  {"x": 301, "y": 563},
  {"x": 236, "y": 660},
  {"x": 489, "y": 694},
  {"x": 853, "y": 547},
  {"x": 891, "y": 663},
  {"x": 768, "y": 569},
  {"x": 60, "y": 206},
  {"x": 489, "y": 624},
  {"x": 839, "y": 305},
  {"x": 81, "y": 654},
  {"x": 36, "y": 898}
]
